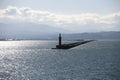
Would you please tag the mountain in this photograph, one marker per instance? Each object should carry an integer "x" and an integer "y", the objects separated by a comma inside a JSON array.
[
  {"x": 111, "y": 35},
  {"x": 41, "y": 31},
  {"x": 27, "y": 30}
]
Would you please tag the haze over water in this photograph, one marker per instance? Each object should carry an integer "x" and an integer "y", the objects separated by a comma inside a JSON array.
[{"x": 35, "y": 60}]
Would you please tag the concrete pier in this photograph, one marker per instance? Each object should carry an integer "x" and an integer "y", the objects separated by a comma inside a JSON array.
[{"x": 70, "y": 45}]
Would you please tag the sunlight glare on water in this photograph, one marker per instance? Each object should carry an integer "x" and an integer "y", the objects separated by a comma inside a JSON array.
[{"x": 35, "y": 60}]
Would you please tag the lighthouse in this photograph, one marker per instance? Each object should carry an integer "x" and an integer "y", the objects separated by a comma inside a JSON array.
[
  {"x": 69, "y": 45},
  {"x": 60, "y": 40}
]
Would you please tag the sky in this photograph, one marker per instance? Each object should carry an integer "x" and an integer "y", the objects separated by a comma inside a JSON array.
[{"x": 73, "y": 15}]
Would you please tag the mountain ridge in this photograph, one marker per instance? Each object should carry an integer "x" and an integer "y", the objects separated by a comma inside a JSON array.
[{"x": 41, "y": 31}]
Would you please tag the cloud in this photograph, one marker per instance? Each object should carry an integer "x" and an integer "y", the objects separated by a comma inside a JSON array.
[{"x": 81, "y": 21}]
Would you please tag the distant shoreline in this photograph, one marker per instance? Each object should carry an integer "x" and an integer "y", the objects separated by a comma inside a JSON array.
[{"x": 63, "y": 40}]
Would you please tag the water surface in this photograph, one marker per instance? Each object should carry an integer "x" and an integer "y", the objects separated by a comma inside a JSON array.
[{"x": 35, "y": 60}]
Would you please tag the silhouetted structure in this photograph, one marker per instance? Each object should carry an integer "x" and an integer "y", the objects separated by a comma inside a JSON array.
[
  {"x": 70, "y": 45},
  {"x": 60, "y": 41}
]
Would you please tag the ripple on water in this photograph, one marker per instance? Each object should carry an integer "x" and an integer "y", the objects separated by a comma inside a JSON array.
[
  {"x": 36, "y": 61},
  {"x": 5, "y": 75}
]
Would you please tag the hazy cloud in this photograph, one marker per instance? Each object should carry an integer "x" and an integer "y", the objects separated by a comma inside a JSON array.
[{"x": 81, "y": 21}]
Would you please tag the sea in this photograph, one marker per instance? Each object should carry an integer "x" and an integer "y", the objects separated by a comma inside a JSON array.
[{"x": 35, "y": 60}]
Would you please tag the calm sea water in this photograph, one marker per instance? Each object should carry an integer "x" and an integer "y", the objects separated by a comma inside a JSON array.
[{"x": 35, "y": 60}]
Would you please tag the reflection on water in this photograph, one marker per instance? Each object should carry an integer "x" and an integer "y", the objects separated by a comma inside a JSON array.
[{"x": 35, "y": 60}]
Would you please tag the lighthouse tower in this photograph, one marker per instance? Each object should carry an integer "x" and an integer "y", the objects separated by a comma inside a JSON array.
[{"x": 60, "y": 40}]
